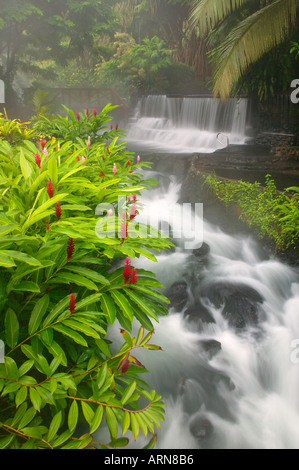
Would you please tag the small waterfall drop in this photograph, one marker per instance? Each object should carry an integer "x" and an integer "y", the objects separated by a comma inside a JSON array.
[{"x": 188, "y": 124}]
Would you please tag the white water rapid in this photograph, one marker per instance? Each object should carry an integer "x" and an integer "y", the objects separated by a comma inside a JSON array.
[
  {"x": 189, "y": 124},
  {"x": 241, "y": 392}
]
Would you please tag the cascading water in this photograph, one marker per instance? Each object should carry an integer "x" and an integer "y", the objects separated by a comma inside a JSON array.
[
  {"x": 229, "y": 366},
  {"x": 189, "y": 124}
]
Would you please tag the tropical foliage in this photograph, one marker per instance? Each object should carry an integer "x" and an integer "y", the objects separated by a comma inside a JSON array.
[
  {"x": 69, "y": 237},
  {"x": 272, "y": 214},
  {"x": 259, "y": 27}
]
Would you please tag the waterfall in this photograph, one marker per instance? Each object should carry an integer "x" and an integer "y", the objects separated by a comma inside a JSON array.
[
  {"x": 188, "y": 124},
  {"x": 225, "y": 385}
]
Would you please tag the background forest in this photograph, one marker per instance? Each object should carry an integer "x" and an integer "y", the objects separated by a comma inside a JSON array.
[{"x": 148, "y": 46}]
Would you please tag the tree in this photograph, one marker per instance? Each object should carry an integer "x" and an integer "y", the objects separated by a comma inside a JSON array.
[
  {"x": 37, "y": 35},
  {"x": 260, "y": 27}
]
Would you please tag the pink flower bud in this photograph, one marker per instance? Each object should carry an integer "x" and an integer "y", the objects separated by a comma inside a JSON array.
[
  {"x": 114, "y": 168},
  {"x": 110, "y": 212},
  {"x": 88, "y": 141},
  {"x": 138, "y": 159}
]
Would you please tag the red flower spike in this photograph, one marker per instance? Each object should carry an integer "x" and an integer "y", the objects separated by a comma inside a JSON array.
[
  {"x": 133, "y": 212},
  {"x": 43, "y": 143},
  {"x": 134, "y": 198},
  {"x": 70, "y": 248},
  {"x": 78, "y": 159},
  {"x": 127, "y": 270},
  {"x": 58, "y": 210},
  {"x": 108, "y": 150},
  {"x": 78, "y": 116},
  {"x": 50, "y": 189},
  {"x": 95, "y": 113},
  {"x": 48, "y": 226},
  {"x": 133, "y": 279},
  {"x": 101, "y": 175},
  {"x": 37, "y": 160},
  {"x": 72, "y": 304},
  {"x": 87, "y": 113},
  {"x": 116, "y": 126},
  {"x": 111, "y": 127}
]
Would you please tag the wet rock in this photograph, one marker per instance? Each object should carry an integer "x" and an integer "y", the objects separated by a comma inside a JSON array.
[
  {"x": 210, "y": 346},
  {"x": 202, "y": 251},
  {"x": 240, "y": 311},
  {"x": 201, "y": 427},
  {"x": 178, "y": 295},
  {"x": 198, "y": 312},
  {"x": 193, "y": 395},
  {"x": 240, "y": 302}
]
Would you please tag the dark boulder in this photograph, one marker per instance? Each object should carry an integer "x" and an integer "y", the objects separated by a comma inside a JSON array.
[
  {"x": 210, "y": 346},
  {"x": 198, "y": 312},
  {"x": 201, "y": 427},
  {"x": 178, "y": 295},
  {"x": 202, "y": 251},
  {"x": 240, "y": 303}
]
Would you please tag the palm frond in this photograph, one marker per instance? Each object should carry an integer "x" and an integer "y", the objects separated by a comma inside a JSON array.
[
  {"x": 253, "y": 37},
  {"x": 206, "y": 14}
]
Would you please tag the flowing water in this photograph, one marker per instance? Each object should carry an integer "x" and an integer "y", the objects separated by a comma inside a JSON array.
[
  {"x": 189, "y": 124},
  {"x": 229, "y": 366}
]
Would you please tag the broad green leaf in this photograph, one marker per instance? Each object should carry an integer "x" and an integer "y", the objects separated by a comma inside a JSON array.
[
  {"x": 112, "y": 423},
  {"x": 67, "y": 278},
  {"x": 25, "y": 167},
  {"x": 71, "y": 334},
  {"x": 54, "y": 426},
  {"x": 37, "y": 314},
  {"x": 59, "y": 308},
  {"x": 87, "y": 412},
  {"x": 53, "y": 170},
  {"x": 35, "y": 398},
  {"x": 27, "y": 418},
  {"x": 91, "y": 299},
  {"x": 88, "y": 273},
  {"x": 42, "y": 209},
  {"x": 6, "y": 261},
  {"x": 126, "y": 421},
  {"x": 108, "y": 307},
  {"x": 134, "y": 426},
  {"x": 123, "y": 303},
  {"x": 21, "y": 257},
  {"x": 128, "y": 393},
  {"x": 97, "y": 419},
  {"x": 143, "y": 304},
  {"x": 26, "y": 286},
  {"x": 11, "y": 328},
  {"x": 73, "y": 416},
  {"x": 83, "y": 328}
]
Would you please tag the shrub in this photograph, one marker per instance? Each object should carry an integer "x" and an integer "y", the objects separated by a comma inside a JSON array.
[{"x": 63, "y": 281}]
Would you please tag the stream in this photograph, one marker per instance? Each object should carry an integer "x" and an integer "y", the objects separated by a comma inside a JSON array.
[{"x": 228, "y": 371}]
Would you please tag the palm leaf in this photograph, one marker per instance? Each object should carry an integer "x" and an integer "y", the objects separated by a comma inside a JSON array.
[
  {"x": 206, "y": 14},
  {"x": 250, "y": 40}
]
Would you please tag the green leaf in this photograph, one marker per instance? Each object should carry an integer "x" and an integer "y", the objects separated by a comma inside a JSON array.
[
  {"x": 25, "y": 167},
  {"x": 67, "y": 278},
  {"x": 37, "y": 314},
  {"x": 88, "y": 273},
  {"x": 91, "y": 299},
  {"x": 11, "y": 328},
  {"x": 128, "y": 393},
  {"x": 108, "y": 307},
  {"x": 73, "y": 416},
  {"x": 21, "y": 396},
  {"x": 97, "y": 419},
  {"x": 27, "y": 286},
  {"x": 21, "y": 257},
  {"x": 54, "y": 426},
  {"x": 152, "y": 443},
  {"x": 87, "y": 412},
  {"x": 123, "y": 303},
  {"x": 112, "y": 423},
  {"x": 27, "y": 418},
  {"x": 134, "y": 426},
  {"x": 83, "y": 328},
  {"x": 53, "y": 170},
  {"x": 6, "y": 261},
  {"x": 71, "y": 334},
  {"x": 126, "y": 421},
  {"x": 143, "y": 304},
  {"x": 59, "y": 308},
  {"x": 35, "y": 398}
]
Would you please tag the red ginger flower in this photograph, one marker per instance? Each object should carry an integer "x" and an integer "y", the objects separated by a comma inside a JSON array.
[
  {"x": 48, "y": 226},
  {"x": 58, "y": 210},
  {"x": 43, "y": 143},
  {"x": 133, "y": 212},
  {"x": 133, "y": 279},
  {"x": 70, "y": 248},
  {"x": 72, "y": 304},
  {"x": 127, "y": 270},
  {"x": 116, "y": 126},
  {"x": 95, "y": 112},
  {"x": 87, "y": 113},
  {"x": 78, "y": 116},
  {"x": 50, "y": 189},
  {"x": 37, "y": 159}
]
